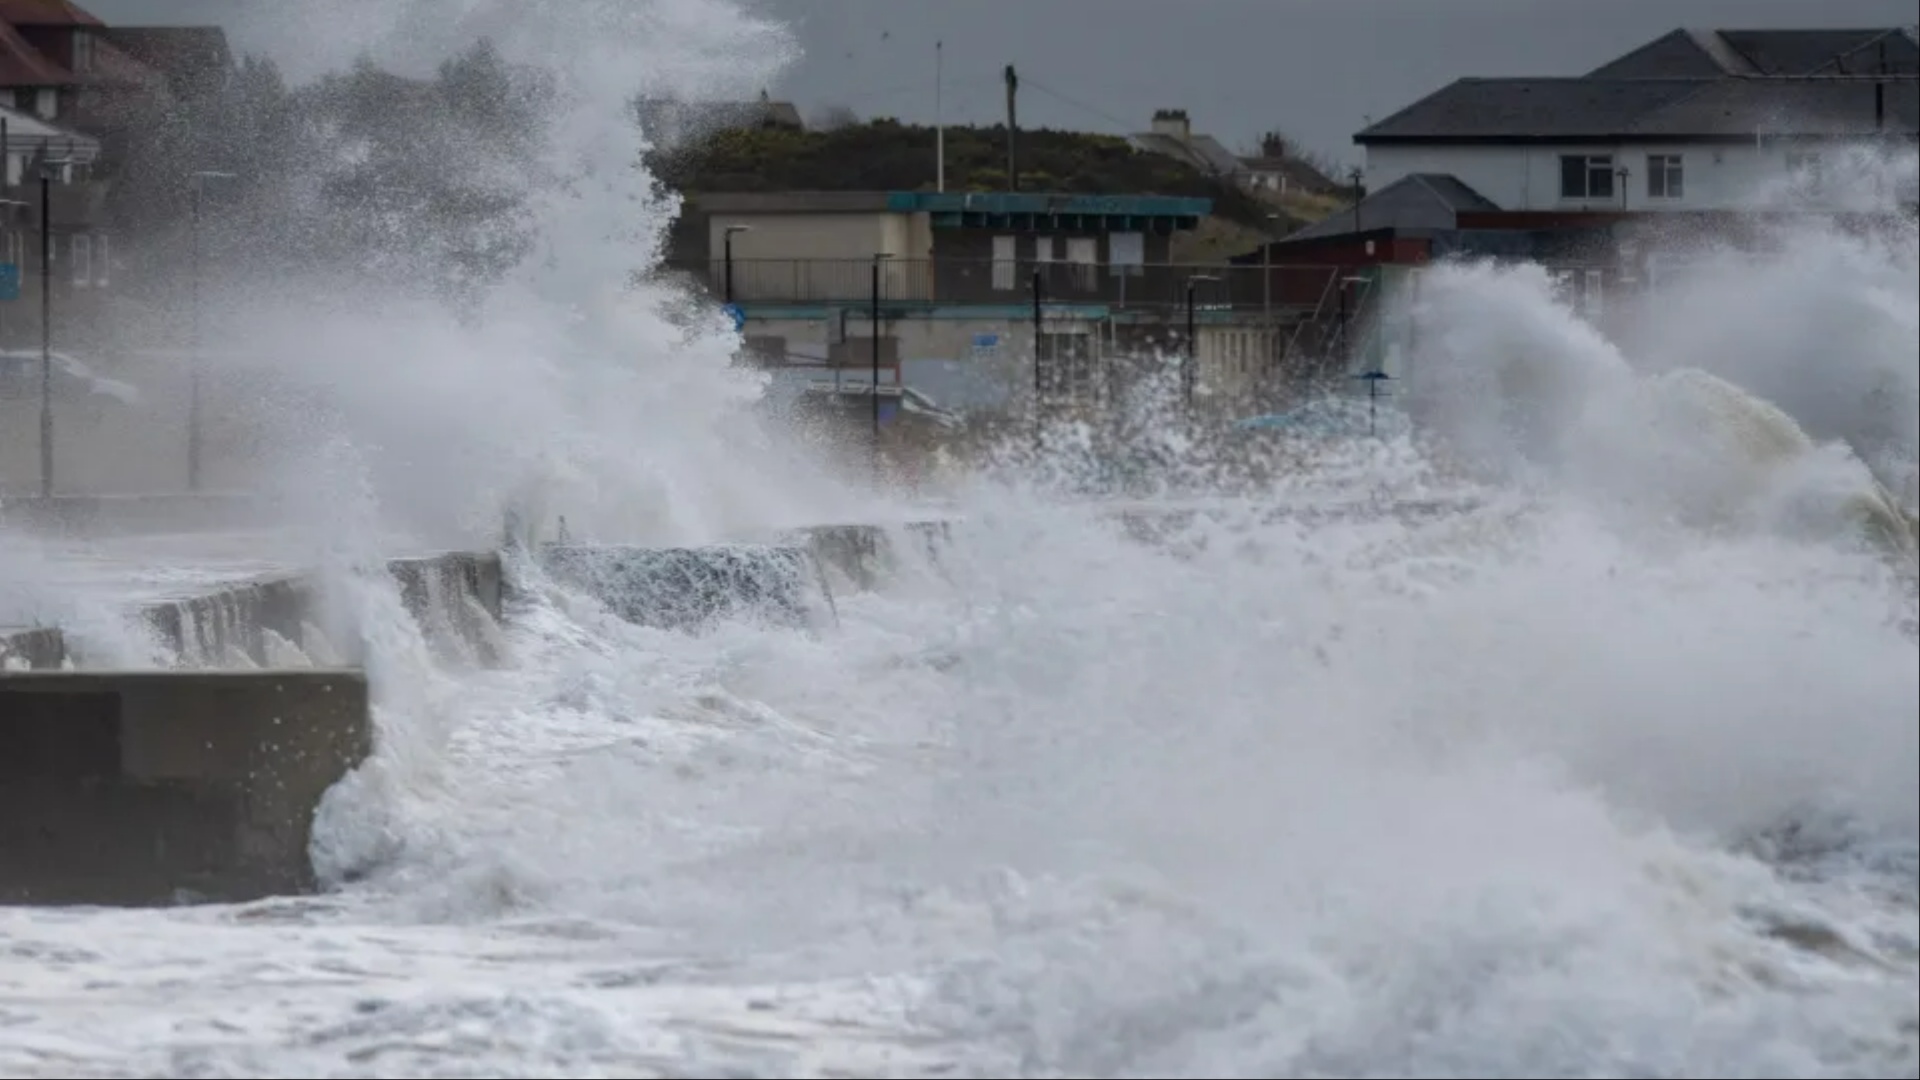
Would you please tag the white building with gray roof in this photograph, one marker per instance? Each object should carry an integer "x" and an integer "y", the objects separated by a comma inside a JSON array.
[{"x": 1695, "y": 120}]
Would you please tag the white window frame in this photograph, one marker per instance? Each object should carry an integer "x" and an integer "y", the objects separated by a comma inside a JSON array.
[
  {"x": 1005, "y": 262},
  {"x": 1083, "y": 252},
  {"x": 1666, "y": 177},
  {"x": 1593, "y": 165},
  {"x": 82, "y": 251}
]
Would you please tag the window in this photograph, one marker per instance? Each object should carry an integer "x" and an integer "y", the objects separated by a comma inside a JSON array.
[
  {"x": 1665, "y": 179},
  {"x": 47, "y": 104},
  {"x": 1003, "y": 262},
  {"x": 1586, "y": 176},
  {"x": 1084, "y": 253},
  {"x": 102, "y": 262},
  {"x": 1127, "y": 253},
  {"x": 82, "y": 260},
  {"x": 82, "y": 51}
]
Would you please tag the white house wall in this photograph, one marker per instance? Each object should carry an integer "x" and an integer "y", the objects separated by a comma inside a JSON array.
[{"x": 1719, "y": 177}]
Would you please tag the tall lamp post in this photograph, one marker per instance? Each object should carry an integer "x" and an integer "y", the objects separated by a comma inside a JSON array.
[
  {"x": 726, "y": 249},
  {"x": 47, "y": 170},
  {"x": 197, "y": 362},
  {"x": 1190, "y": 370},
  {"x": 874, "y": 315},
  {"x": 1039, "y": 337}
]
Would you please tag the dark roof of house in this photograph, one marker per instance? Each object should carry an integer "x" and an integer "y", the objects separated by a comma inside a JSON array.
[
  {"x": 1420, "y": 202},
  {"x": 22, "y": 65},
  {"x": 1706, "y": 54},
  {"x": 46, "y": 13},
  {"x": 1830, "y": 108},
  {"x": 1203, "y": 152},
  {"x": 1298, "y": 173},
  {"x": 1590, "y": 108}
]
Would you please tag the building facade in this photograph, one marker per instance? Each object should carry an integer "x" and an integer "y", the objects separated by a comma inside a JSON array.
[
  {"x": 971, "y": 288},
  {"x": 1694, "y": 121}
]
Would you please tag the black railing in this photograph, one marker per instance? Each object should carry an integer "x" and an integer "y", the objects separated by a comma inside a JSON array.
[{"x": 1285, "y": 290}]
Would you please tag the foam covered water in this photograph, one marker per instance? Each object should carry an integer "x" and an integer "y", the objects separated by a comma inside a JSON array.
[{"x": 1557, "y": 783}]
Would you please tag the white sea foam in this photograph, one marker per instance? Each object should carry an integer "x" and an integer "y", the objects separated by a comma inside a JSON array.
[{"x": 1553, "y": 785}]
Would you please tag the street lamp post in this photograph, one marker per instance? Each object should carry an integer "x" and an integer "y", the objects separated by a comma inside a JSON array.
[
  {"x": 197, "y": 362},
  {"x": 1190, "y": 370},
  {"x": 726, "y": 247},
  {"x": 1039, "y": 372},
  {"x": 874, "y": 314},
  {"x": 46, "y": 328}
]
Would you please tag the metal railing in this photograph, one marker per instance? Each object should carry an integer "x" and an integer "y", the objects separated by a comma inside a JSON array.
[{"x": 1285, "y": 290}]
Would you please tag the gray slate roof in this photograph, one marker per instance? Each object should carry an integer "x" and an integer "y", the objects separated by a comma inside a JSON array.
[
  {"x": 1420, "y": 202},
  {"x": 1203, "y": 152},
  {"x": 1706, "y": 54},
  {"x": 1589, "y": 108}
]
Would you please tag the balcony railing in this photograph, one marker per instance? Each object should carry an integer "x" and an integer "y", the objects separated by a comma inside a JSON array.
[{"x": 973, "y": 282}]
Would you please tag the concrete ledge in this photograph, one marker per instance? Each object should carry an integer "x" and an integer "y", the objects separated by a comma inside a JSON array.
[
  {"x": 131, "y": 515},
  {"x": 229, "y": 625},
  {"x": 1159, "y": 525},
  {"x": 454, "y": 598},
  {"x": 694, "y": 588},
  {"x": 41, "y": 648},
  {"x": 160, "y": 787},
  {"x": 862, "y": 557}
]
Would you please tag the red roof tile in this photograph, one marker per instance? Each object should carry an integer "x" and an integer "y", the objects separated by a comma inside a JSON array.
[
  {"x": 22, "y": 65},
  {"x": 46, "y": 13}
]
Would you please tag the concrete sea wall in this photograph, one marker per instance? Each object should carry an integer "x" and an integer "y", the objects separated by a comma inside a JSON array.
[{"x": 155, "y": 787}]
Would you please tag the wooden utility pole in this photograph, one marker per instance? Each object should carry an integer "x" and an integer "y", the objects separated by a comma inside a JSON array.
[{"x": 1013, "y": 126}]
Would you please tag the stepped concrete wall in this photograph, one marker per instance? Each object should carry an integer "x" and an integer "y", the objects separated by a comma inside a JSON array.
[{"x": 454, "y": 597}]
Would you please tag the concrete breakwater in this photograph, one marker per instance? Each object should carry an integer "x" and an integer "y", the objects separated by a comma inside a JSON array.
[
  {"x": 156, "y": 787},
  {"x": 198, "y": 779},
  {"x": 454, "y": 597}
]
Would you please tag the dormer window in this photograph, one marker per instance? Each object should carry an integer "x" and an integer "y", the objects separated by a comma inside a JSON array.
[{"x": 82, "y": 52}]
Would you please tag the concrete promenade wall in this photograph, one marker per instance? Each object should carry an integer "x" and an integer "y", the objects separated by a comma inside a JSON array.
[
  {"x": 454, "y": 597},
  {"x": 135, "y": 788},
  {"x": 38, "y": 648}
]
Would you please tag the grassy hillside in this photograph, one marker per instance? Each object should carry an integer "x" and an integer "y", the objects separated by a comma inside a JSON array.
[{"x": 885, "y": 155}]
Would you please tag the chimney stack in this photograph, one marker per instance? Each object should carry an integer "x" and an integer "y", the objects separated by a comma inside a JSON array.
[{"x": 1172, "y": 122}]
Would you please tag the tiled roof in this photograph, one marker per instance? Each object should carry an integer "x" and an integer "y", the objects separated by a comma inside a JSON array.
[
  {"x": 47, "y": 13},
  {"x": 27, "y": 130},
  {"x": 1831, "y": 108},
  {"x": 22, "y": 65},
  {"x": 1587, "y": 108},
  {"x": 1700, "y": 54},
  {"x": 1299, "y": 174},
  {"x": 1203, "y": 152},
  {"x": 1535, "y": 108},
  {"x": 1420, "y": 202}
]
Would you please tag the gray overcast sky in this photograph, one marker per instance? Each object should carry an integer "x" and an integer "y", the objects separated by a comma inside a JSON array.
[{"x": 1314, "y": 68}]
